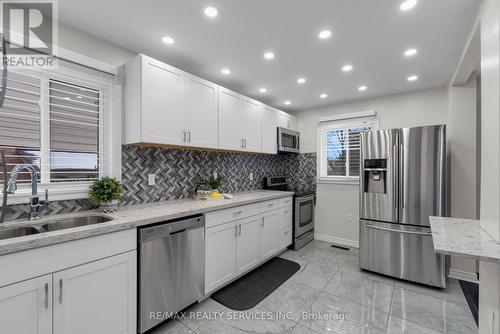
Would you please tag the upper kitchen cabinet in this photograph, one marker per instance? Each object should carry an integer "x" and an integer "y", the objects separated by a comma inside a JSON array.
[
  {"x": 201, "y": 112},
  {"x": 155, "y": 103},
  {"x": 286, "y": 121},
  {"x": 252, "y": 125},
  {"x": 269, "y": 133},
  {"x": 230, "y": 120}
]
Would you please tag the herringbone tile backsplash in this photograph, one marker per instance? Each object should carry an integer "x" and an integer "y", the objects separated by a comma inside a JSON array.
[{"x": 178, "y": 172}]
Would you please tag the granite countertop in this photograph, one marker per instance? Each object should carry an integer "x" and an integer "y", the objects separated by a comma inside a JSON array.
[
  {"x": 129, "y": 217},
  {"x": 463, "y": 237}
]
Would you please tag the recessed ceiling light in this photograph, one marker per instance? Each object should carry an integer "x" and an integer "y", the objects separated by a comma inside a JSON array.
[
  {"x": 269, "y": 55},
  {"x": 411, "y": 52},
  {"x": 79, "y": 97},
  {"x": 362, "y": 88},
  {"x": 325, "y": 34},
  {"x": 288, "y": 103},
  {"x": 412, "y": 78},
  {"x": 226, "y": 71},
  {"x": 211, "y": 12},
  {"x": 301, "y": 80},
  {"x": 408, "y": 4},
  {"x": 168, "y": 40},
  {"x": 262, "y": 90},
  {"x": 347, "y": 68},
  {"x": 67, "y": 98},
  {"x": 323, "y": 96}
]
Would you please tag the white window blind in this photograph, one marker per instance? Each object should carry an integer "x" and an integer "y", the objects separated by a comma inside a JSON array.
[{"x": 339, "y": 148}]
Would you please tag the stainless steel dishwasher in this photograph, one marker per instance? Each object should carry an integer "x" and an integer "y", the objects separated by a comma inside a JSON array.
[{"x": 171, "y": 265}]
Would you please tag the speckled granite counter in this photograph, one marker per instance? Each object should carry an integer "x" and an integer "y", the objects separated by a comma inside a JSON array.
[
  {"x": 129, "y": 217},
  {"x": 463, "y": 237}
]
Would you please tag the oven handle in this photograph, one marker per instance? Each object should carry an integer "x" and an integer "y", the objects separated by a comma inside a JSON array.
[{"x": 398, "y": 231}]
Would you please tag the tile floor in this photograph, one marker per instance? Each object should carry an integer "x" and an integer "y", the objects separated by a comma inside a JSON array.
[{"x": 337, "y": 297}]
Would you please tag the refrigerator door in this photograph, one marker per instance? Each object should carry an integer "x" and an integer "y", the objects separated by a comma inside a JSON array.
[
  {"x": 422, "y": 174},
  {"x": 401, "y": 251},
  {"x": 379, "y": 175}
]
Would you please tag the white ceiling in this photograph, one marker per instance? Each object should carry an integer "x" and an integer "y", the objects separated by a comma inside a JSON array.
[{"x": 369, "y": 34}]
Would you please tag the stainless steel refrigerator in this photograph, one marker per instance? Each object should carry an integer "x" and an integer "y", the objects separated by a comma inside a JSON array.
[{"x": 402, "y": 183}]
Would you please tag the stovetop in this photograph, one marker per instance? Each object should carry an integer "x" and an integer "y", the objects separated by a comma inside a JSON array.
[{"x": 280, "y": 184}]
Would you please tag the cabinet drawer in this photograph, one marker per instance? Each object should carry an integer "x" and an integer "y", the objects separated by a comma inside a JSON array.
[
  {"x": 269, "y": 205},
  {"x": 285, "y": 237},
  {"x": 227, "y": 215},
  {"x": 284, "y": 202},
  {"x": 285, "y": 217}
]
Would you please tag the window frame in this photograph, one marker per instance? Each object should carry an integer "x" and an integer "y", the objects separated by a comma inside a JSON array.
[
  {"x": 109, "y": 131},
  {"x": 337, "y": 123}
]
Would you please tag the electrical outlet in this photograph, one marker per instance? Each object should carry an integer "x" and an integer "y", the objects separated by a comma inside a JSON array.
[
  {"x": 251, "y": 176},
  {"x": 348, "y": 217},
  {"x": 215, "y": 175},
  {"x": 151, "y": 179}
]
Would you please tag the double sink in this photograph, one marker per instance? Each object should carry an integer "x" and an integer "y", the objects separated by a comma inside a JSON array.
[{"x": 55, "y": 225}]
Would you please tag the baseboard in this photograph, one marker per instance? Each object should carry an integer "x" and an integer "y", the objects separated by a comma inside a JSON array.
[
  {"x": 463, "y": 275},
  {"x": 337, "y": 241}
]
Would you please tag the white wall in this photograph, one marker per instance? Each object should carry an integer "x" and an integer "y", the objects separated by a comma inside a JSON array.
[{"x": 334, "y": 201}]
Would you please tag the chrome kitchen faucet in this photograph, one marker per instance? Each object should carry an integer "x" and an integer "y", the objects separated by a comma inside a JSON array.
[{"x": 35, "y": 202}]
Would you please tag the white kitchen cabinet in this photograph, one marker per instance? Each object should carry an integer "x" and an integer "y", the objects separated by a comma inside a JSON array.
[
  {"x": 248, "y": 250},
  {"x": 230, "y": 120},
  {"x": 26, "y": 307},
  {"x": 97, "y": 297},
  {"x": 156, "y": 112},
  {"x": 201, "y": 112},
  {"x": 269, "y": 132},
  {"x": 269, "y": 234},
  {"x": 285, "y": 237},
  {"x": 285, "y": 217},
  {"x": 252, "y": 125},
  {"x": 220, "y": 255},
  {"x": 286, "y": 120}
]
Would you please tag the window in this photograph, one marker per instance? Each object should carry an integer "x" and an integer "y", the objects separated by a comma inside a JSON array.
[
  {"x": 59, "y": 121},
  {"x": 339, "y": 148}
]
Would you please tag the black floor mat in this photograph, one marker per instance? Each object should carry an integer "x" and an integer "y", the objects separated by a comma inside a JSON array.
[
  {"x": 251, "y": 289},
  {"x": 471, "y": 293}
]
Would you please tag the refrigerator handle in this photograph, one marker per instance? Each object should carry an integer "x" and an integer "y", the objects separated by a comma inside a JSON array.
[
  {"x": 402, "y": 175},
  {"x": 394, "y": 175}
]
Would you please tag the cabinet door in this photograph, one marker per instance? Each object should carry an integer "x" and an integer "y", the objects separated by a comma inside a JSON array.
[
  {"x": 201, "y": 112},
  {"x": 26, "y": 307},
  {"x": 252, "y": 125},
  {"x": 230, "y": 120},
  {"x": 285, "y": 217},
  {"x": 283, "y": 120},
  {"x": 269, "y": 234},
  {"x": 269, "y": 132},
  {"x": 220, "y": 255},
  {"x": 292, "y": 122},
  {"x": 248, "y": 250},
  {"x": 285, "y": 237},
  {"x": 163, "y": 104},
  {"x": 98, "y": 297}
]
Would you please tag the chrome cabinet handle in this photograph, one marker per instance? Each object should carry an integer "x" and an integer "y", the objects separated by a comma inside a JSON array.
[
  {"x": 262, "y": 222},
  {"x": 239, "y": 227},
  {"x": 60, "y": 291},
  {"x": 189, "y": 137},
  {"x": 245, "y": 143},
  {"x": 46, "y": 288},
  {"x": 235, "y": 230},
  {"x": 184, "y": 133},
  {"x": 397, "y": 231},
  {"x": 286, "y": 211},
  {"x": 270, "y": 204},
  {"x": 238, "y": 213},
  {"x": 241, "y": 143}
]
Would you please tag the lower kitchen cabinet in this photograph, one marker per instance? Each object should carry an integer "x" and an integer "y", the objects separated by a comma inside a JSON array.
[
  {"x": 26, "y": 307},
  {"x": 220, "y": 255},
  {"x": 96, "y": 297},
  {"x": 248, "y": 250},
  {"x": 269, "y": 234}
]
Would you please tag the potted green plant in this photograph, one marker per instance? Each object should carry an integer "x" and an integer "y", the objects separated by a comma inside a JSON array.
[
  {"x": 106, "y": 192},
  {"x": 215, "y": 183}
]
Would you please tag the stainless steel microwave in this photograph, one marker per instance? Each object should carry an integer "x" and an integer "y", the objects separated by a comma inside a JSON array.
[{"x": 288, "y": 140}]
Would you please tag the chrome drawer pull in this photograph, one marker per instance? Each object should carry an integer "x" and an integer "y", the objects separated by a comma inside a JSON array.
[{"x": 238, "y": 213}]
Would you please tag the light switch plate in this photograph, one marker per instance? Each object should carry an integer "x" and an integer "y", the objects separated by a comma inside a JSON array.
[
  {"x": 151, "y": 179},
  {"x": 251, "y": 176},
  {"x": 215, "y": 175}
]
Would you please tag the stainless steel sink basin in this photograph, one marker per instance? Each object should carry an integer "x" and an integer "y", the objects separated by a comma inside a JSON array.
[
  {"x": 74, "y": 222},
  {"x": 14, "y": 232}
]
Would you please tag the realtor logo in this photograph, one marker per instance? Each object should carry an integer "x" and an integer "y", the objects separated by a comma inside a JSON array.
[{"x": 30, "y": 32}]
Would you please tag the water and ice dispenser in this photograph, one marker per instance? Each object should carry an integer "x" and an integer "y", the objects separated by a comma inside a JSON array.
[{"x": 375, "y": 178}]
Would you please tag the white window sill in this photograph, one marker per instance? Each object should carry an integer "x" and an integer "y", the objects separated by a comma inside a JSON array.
[
  {"x": 57, "y": 192},
  {"x": 338, "y": 180}
]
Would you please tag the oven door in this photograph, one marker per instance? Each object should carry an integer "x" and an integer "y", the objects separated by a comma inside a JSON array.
[
  {"x": 288, "y": 140},
  {"x": 304, "y": 215}
]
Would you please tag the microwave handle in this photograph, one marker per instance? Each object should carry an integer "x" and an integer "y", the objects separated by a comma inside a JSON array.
[{"x": 297, "y": 139}]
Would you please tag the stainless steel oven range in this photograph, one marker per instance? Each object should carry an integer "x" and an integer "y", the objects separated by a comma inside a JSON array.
[{"x": 303, "y": 210}]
